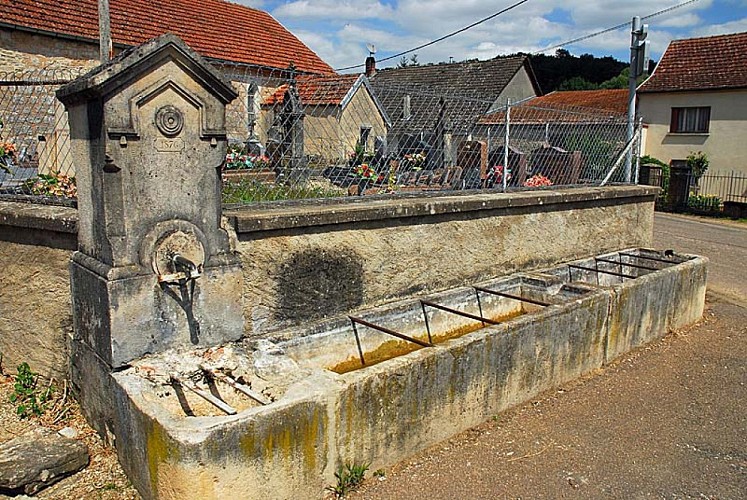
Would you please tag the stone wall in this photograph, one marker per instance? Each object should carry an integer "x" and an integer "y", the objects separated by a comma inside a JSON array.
[
  {"x": 311, "y": 260},
  {"x": 35, "y": 318},
  {"x": 24, "y": 51},
  {"x": 305, "y": 262}
]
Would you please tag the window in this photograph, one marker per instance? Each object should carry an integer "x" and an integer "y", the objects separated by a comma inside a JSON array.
[
  {"x": 690, "y": 120},
  {"x": 365, "y": 133}
]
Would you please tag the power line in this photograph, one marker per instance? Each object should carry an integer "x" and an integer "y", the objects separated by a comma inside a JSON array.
[
  {"x": 492, "y": 16},
  {"x": 613, "y": 28}
]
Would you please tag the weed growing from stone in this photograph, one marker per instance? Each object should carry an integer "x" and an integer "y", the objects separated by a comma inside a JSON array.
[
  {"x": 349, "y": 478},
  {"x": 28, "y": 398}
]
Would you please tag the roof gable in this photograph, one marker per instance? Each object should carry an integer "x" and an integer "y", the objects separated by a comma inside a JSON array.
[
  {"x": 710, "y": 63},
  {"x": 479, "y": 79},
  {"x": 328, "y": 90},
  {"x": 210, "y": 27}
]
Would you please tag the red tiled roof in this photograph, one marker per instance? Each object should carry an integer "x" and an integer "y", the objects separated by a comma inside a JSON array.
[
  {"x": 572, "y": 106},
  {"x": 214, "y": 28},
  {"x": 710, "y": 63},
  {"x": 318, "y": 90}
]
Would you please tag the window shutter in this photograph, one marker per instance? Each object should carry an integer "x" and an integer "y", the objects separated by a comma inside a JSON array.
[{"x": 675, "y": 120}]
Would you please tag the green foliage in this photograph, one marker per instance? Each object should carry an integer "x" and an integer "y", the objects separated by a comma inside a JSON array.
[
  {"x": 28, "y": 398},
  {"x": 698, "y": 163},
  {"x": 405, "y": 62},
  {"x": 552, "y": 71},
  {"x": 379, "y": 473},
  {"x": 250, "y": 190},
  {"x": 665, "y": 175},
  {"x": 349, "y": 478},
  {"x": 578, "y": 83},
  {"x": 704, "y": 202},
  {"x": 597, "y": 154}
]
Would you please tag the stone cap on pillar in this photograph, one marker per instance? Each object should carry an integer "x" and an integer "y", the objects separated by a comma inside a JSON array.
[{"x": 148, "y": 139}]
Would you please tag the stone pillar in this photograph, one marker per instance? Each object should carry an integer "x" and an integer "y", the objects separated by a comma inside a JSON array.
[{"x": 154, "y": 268}]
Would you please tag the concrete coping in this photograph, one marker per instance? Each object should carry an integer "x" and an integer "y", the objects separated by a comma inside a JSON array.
[
  {"x": 311, "y": 213},
  {"x": 52, "y": 218}
]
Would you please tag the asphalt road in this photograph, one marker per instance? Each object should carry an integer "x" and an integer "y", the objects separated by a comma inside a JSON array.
[
  {"x": 666, "y": 421},
  {"x": 724, "y": 243}
]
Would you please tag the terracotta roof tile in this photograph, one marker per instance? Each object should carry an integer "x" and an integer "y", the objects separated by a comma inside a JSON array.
[
  {"x": 318, "y": 90},
  {"x": 573, "y": 106},
  {"x": 710, "y": 63},
  {"x": 214, "y": 28}
]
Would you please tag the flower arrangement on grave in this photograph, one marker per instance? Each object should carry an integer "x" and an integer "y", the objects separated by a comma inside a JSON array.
[
  {"x": 537, "y": 180},
  {"x": 7, "y": 155},
  {"x": 414, "y": 161},
  {"x": 359, "y": 156},
  {"x": 54, "y": 183},
  {"x": 495, "y": 175},
  {"x": 237, "y": 159},
  {"x": 364, "y": 171}
]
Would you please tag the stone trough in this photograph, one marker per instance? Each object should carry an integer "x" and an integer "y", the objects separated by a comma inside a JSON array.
[
  {"x": 322, "y": 407},
  {"x": 160, "y": 357}
]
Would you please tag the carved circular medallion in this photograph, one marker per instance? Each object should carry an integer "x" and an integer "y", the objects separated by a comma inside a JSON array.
[{"x": 169, "y": 120}]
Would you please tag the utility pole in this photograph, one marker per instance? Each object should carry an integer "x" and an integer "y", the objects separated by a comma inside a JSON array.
[
  {"x": 639, "y": 56},
  {"x": 106, "y": 51}
]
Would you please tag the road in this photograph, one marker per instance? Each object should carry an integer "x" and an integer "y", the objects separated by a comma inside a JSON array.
[
  {"x": 725, "y": 243},
  {"x": 666, "y": 421}
]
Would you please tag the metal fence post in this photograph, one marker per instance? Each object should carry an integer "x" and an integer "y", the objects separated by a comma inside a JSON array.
[{"x": 505, "y": 145}]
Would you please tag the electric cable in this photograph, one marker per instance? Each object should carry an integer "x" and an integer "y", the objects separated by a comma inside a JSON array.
[
  {"x": 432, "y": 42},
  {"x": 613, "y": 28}
]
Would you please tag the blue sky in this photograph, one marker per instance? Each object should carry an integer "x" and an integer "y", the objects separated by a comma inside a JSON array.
[{"x": 338, "y": 30}]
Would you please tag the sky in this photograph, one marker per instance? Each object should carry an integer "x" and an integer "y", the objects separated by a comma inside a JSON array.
[{"x": 339, "y": 30}]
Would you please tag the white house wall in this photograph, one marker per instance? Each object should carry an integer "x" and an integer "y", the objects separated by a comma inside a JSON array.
[{"x": 726, "y": 141}]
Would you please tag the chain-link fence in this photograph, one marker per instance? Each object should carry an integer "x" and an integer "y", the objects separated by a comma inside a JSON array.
[
  {"x": 35, "y": 154},
  {"x": 304, "y": 136}
]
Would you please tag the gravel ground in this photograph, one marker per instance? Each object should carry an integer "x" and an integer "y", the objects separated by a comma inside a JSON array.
[{"x": 102, "y": 479}]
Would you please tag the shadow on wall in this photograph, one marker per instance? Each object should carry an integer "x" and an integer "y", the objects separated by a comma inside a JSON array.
[{"x": 313, "y": 284}]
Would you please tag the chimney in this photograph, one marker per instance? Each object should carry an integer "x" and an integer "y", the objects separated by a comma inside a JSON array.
[{"x": 370, "y": 66}]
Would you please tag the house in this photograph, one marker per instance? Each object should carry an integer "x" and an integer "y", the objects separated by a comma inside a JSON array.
[
  {"x": 696, "y": 100},
  {"x": 546, "y": 129},
  {"x": 340, "y": 113},
  {"x": 49, "y": 41},
  {"x": 438, "y": 105}
]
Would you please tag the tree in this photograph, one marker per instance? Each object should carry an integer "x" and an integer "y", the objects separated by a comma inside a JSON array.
[
  {"x": 405, "y": 62},
  {"x": 578, "y": 83}
]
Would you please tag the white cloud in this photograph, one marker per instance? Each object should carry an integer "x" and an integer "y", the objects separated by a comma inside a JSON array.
[
  {"x": 339, "y": 29},
  {"x": 334, "y": 9},
  {"x": 683, "y": 21},
  {"x": 737, "y": 26}
]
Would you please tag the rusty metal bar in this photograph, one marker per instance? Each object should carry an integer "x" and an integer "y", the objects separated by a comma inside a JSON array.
[
  {"x": 613, "y": 273},
  {"x": 511, "y": 296},
  {"x": 358, "y": 342},
  {"x": 623, "y": 264},
  {"x": 646, "y": 257},
  {"x": 388, "y": 332},
  {"x": 427, "y": 323},
  {"x": 460, "y": 313},
  {"x": 218, "y": 403},
  {"x": 244, "y": 389}
]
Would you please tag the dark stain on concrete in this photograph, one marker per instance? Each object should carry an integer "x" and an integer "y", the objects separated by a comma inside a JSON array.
[{"x": 316, "y": 283}]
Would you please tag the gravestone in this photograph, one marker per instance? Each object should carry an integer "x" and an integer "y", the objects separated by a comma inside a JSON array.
[{"x": 472, "y": 156}]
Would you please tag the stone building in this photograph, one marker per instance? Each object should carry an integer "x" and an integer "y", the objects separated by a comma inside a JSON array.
[{"x": 44, "y": 42}]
